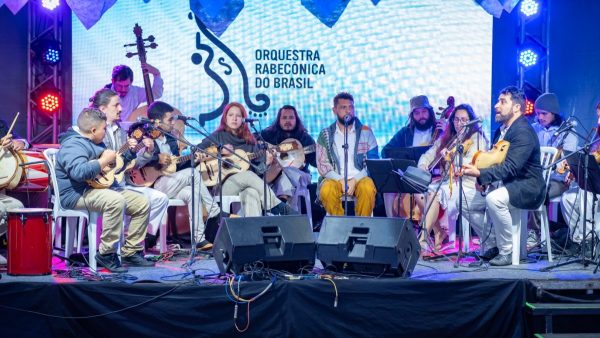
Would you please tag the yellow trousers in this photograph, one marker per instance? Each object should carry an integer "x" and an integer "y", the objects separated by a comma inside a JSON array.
[{"x": 332, "y": 191}]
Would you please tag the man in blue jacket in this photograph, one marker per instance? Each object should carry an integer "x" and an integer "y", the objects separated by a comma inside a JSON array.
[
  {"x": 81, "y": 157},
  {"x": 519, "y": 180}
]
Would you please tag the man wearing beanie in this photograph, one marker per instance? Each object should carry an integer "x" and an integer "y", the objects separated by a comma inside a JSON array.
[{"x": 548, "y": 121}]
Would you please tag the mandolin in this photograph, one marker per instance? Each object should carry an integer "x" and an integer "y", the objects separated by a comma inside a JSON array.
[
  {"x": 116, "y": 171},
  {"x": 497, "y": 155}
]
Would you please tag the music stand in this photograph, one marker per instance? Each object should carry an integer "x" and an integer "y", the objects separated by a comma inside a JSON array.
[
  {"x": 408, "y": 153},
  {"x": 381, "y": 172},
  {"x": 587, "y": 182}
]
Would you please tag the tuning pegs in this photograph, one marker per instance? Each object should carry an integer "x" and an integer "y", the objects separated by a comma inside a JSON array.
[
  {"x": 130, "y": 54},
  {"x": 152, "y": 45},
  {"x": 150, "y": 38}
]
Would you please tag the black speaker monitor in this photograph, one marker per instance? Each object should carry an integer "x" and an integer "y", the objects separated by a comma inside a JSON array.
[
  {"x": 368, "y": 245},
  {"x": 279, "y": 242}
]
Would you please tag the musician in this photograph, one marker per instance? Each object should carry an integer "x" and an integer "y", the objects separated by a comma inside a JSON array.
[
  {"x": 419, "y": 131},
  {"x": 570, "y": 205},
  {"x": 132, "y": 96},
  {"x": 233, "y": 133},
  {"x": 179, "y": 184},
  {"x": 7, "y": 202},
  {"x": 108, "y": 102},
  {"x": 443, "y": 209},
  {"x": 548, "y": 122},
  {"x": 16, "y": 143},
  {"x": 81, "y": 157},
  {"x": 288, "y": 125},
  {"x": 521, "y": 184},
  {"x": 330, "y": 160}
]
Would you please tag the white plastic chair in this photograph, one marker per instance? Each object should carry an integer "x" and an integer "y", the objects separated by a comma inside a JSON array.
[
  {"x": 162, "y": 240},
  {"x": 519, "y": 216},
  {"x": 228, "y": 201},
  {"x": 79, "y": 215}
]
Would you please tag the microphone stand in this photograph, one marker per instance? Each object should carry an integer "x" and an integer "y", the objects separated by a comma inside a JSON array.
[
  {"x": 345, "y": 146},
  {"x": 263, "y": 168}
]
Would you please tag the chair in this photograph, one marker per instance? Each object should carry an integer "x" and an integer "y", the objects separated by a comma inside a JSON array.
[
  {"x": 302, "y": 193},
  {"x": 519, "y": 237},
  {"x": 167, "y": 222},
  {"x": 228, "y": 201},
  {"x": 80, "y": 215}
]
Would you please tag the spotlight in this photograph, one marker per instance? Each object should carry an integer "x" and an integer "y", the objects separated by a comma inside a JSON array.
[
  {"x": 528, "y": 58},
  {"x": 50, "y": 4},
  {"x": 529, "y": 7},
  {"x": 528, "y": 107},
  {"x": 48, "y": 100},
  {"x": 48, "y": 51}
]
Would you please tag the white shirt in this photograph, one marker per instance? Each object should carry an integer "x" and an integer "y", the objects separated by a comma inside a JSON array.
[
  {"x": 338, "y": 142},
  {"x": 163, "y": 146},
  {"x": 110, "y": 131},
  {"x": 421, "y": 137},
  {"x": 137, "y": 95}
]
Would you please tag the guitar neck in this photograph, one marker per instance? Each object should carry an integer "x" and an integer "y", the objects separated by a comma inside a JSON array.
[{"x": 125, "y": 146}]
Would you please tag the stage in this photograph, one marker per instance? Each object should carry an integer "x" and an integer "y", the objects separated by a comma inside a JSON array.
[{"x": 438, "y": 300}]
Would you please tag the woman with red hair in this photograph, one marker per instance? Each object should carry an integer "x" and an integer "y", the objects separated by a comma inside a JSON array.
[{"x": 233, "y": 133}]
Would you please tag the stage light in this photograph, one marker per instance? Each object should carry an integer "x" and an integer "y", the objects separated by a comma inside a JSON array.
[
  {"x": 50, "y": 4},
  {"x": 528, "y": 58},
  {"x": 48, "y": 100},
  {"x": 529, "y": 7},
  {"x": 48, "y": 51},
  {"x": 528, "y": 107}
]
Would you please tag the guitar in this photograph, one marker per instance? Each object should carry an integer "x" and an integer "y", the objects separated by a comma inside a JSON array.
[
  {"x": 486, "y": 159},
  {"x": 116, "y": 171},
  {"x": 146, "y": 176},
  {"x": 289, "y": 153},
  {"x": 209, "y": 168}
]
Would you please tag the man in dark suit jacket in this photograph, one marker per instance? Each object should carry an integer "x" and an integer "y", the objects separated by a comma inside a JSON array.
[{"x": 522, "y": 185}]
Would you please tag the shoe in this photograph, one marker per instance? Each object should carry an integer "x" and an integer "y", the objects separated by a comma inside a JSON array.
[
  {"x": 204, "y": 245},
  {"x": 150, "y": 241},
  {"x": 110, "y": 262},
  {"x": 283, "y": 209},
  {"x": 439, "y": 236},
  {"x": 137, "y": 259},
  {"x": 489, "y": 254},
  {"x": 501, "y": 260},
  {"x": 2, "y": 260}
]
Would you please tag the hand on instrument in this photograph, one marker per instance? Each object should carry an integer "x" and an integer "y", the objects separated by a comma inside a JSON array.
[
  {"x": 148, "y": 68},
  {"x": 199, "y": 157},
  {"x": 18, "y": 145},
  {"x": 107, "y": 157},
  {"x": 149, "y": 144},
  {"x": 132, "y": 143},
  {"x": 470, "y": 170},
  {"x": 269, "y": 157},
  {"x": 164, "y": 159},
  {"x": 7, "y": 142}
]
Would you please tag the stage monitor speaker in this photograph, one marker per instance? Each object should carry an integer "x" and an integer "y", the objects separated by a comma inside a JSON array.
[
  {"x": 279, "y": 242},
  {"x": 368, "y": 245}
]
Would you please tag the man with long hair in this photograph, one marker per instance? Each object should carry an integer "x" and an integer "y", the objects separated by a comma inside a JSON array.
[{"x": 286, "y": 126}]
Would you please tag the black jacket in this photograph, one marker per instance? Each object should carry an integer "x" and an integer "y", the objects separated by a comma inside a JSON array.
[
  {"x": 273, "y": 136},
  {"x": 521, "y": 171}
]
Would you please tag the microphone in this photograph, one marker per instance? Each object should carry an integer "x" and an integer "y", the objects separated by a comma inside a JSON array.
[
  {"x": 250, "y": 120},
  {"x": 470, "y": 123},
  {"x": 183, "y": 118},
  {"x": 147, "y": 120},
  {"x": 348, "y": 119},
  {"x": 566, "y": 126}
]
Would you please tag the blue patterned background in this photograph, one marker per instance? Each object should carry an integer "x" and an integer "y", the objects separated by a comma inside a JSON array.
[{"x": 383, "y": 52}]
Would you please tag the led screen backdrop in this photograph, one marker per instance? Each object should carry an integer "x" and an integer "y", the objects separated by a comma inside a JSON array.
[{"x": 267, "y": 53}]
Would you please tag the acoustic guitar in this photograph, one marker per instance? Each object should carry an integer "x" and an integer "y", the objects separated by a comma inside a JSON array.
[
  {"x": 289, "y": 153},
  {"x": 209, "y": 168}
]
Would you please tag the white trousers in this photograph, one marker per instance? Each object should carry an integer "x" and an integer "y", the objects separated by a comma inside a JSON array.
[
  {"x": 250, "y": 188},
  {"x": 499, "y": 209},
  {"x": 571, "y": 204},
  {"x": 179, "y": 185},
  {"x": 159, "y": 202}
]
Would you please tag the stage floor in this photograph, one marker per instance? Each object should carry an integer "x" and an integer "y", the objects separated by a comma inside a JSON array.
[{"x": 177, "y": 269}]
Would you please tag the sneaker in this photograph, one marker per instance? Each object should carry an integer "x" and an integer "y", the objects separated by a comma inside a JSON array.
[
  {"x": 283, "y": 209},
  {"x": 137, "y": 259},
  {"x": 501, "y": 260},
  {"x": 204, "y": 245},
  {"x": 489, "y": 254},
  {"x": 150, "y": 241},
  {"x": 111, "y": 262}
]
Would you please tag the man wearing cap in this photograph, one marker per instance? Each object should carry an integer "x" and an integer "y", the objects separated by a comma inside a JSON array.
[
  {"x": 418, "y": 132},
  {"x": 549, "y": 120}
]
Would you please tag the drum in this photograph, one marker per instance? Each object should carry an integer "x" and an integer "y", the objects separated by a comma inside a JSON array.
[
  {"x": 35, "y": 176},
  {"x": 29, "y": 241}
]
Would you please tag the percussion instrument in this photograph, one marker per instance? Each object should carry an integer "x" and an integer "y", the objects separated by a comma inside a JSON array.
[{"x": 29, "y": 241}]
